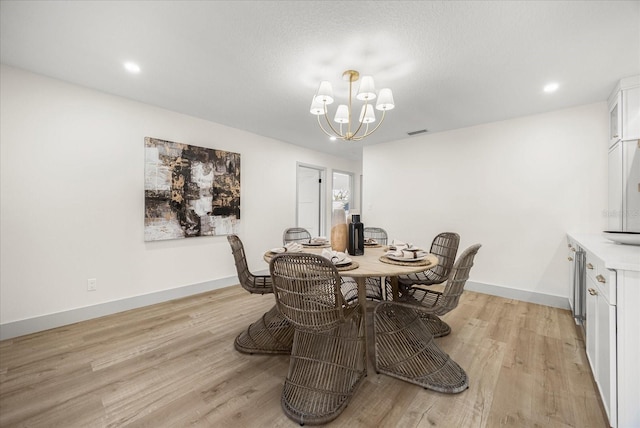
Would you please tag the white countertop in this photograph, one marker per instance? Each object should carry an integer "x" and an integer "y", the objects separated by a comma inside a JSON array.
[{"x": 615, "y": 256}]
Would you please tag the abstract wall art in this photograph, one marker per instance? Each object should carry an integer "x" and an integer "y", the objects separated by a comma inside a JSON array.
[{"x": 189, "y": 191}]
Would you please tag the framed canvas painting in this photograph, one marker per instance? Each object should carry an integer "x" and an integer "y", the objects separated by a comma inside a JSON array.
[{"x": 189, "y": 191}]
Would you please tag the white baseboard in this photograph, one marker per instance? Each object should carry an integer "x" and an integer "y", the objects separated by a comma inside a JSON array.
[
  {"x": 522, "y": 295},
  {"x": 46, "y": 322}
]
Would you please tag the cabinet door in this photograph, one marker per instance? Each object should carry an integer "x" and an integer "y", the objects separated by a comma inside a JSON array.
[
  {"x": 605, "y": 346},
  {"x": 630, "y": 114},
  {"x": 615, "y": 188},
  {"x": 590, "y": 325},
  {"x": 615, "y": 119}
]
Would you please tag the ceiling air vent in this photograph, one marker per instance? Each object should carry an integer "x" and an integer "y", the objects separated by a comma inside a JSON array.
[{"x": 422, "y": 131}]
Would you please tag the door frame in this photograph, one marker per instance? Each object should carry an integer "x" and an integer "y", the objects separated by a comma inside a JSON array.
[{"x": 322, "y": 196}]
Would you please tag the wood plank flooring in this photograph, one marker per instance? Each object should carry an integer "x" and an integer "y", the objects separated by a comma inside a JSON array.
[{"x": 174, "y": 365}]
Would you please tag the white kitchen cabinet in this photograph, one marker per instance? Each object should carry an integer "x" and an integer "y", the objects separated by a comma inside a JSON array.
[
  {"x": 611, "y": 329},
  {"x": 589, "y": 326},
  {"x": 624, "y": 111},
  {"x": 600, "y": 331},
  {"x": 628, "y": 343},
  {"x": 615, "y": 118}
]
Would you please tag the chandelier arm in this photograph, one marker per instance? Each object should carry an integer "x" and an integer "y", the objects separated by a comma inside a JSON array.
[
  {"x": 366, "y": 134},
  {"x": 326, "y": 116},
  {"x": 377, "y": 126},
  {"x": 366, "y": 103},
  {"x": 359, "y": 127},
  {"x": 325, "y": 131}
]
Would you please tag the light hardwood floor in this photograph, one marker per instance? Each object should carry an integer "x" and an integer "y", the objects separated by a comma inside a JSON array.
[{"x": 174, "y": 365}]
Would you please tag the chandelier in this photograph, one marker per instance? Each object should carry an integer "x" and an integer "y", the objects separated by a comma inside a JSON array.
[{"x": 347, "y": 130}]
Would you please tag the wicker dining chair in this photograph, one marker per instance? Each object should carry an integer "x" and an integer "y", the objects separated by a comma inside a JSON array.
[
  {"x": 445, "y": 247},
  {"x": 271, "y": 333},
  {"x": 327, "y": 360},
  {"x": 376, "y": 233},
  {"x": 295, "y": 234},
  {"x": 404, "y": 345}
]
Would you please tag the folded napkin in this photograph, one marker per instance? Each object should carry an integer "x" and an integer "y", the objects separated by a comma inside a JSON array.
[
  {"x": 333, "y": 256},
  {"x": 319, "y": 240},
  {"x": 399, "y": 245},
  {"x": 291, "y": 247},
  {"x": 370, "y": 241}
]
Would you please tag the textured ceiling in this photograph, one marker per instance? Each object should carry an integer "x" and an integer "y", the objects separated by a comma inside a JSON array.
[{"x": 255, "y": 65}]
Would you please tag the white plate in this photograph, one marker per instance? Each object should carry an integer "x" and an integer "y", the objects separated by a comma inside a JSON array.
[
  {"x": 343, "y": 262},
  {"x": 406, "y": 259},
  {"x": 278, "y": 250}
]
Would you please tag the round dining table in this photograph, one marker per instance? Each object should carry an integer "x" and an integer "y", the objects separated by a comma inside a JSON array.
[{"x": 374, "y": 263}]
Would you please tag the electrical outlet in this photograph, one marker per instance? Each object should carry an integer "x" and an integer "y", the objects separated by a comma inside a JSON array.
[{"x": 92, "y": 284}]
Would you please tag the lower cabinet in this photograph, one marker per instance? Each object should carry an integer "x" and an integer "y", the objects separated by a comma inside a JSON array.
[
  {"x": 600, "y": 332},
  {"x": 611, "y": 287}
]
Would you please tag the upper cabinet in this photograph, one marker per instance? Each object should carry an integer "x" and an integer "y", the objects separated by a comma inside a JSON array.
[{"x": 624, "y": 111}]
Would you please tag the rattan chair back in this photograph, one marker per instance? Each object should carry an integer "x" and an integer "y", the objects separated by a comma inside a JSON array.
[
  {"x": 445, "y": 247},
  {"x": 307, "y": 290},
  {"x": 455, "y": 285},
  {"x": 258, "y": 284},
  {"x": 377, "y": 233},
  {"x": 295, "y": 234}
]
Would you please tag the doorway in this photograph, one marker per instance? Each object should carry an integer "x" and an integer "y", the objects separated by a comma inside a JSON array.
[
  {"x": 343, "y": 190},
  {"x": 309, "y": 199}
]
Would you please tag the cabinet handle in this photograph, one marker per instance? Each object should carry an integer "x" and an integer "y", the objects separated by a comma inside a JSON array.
[
  {"x": 589, "y": 266},
  {"x": 592, "y": 291},
  {"x": 601, "y": 279},
  {"x": 573, "y": 249},
  {"x": 570, "y": 259}
]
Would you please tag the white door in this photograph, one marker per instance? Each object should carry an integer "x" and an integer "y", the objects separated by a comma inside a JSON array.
[{"x": 309, "y": 199}]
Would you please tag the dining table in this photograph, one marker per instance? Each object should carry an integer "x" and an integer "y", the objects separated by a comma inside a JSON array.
[{"x": 374, "y": 263}]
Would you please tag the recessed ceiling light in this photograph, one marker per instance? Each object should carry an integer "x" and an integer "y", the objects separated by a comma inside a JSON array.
[
  {"x": 551, "y": 87},
  {"x": 132, "y": 67},
  {"x": 332, "y": 138}
]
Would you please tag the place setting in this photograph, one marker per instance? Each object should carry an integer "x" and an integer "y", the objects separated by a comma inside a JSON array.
[
  {"x": 291, "y": 247},
  {"x": 317, "y": 242},
  {"x": 405, "y": 254},
  {"x": 340, "y": 260},
  {"x": 371, "y": 243}
]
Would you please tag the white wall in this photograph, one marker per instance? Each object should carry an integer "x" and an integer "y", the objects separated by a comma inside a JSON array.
[
  {"x": 515, "y": 186},
  {"x": 72, "y": 197}
]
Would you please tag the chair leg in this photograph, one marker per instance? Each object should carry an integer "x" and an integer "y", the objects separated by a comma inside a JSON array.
[
  {"x": 270, "y": 334},
  {"x": 405, "y": 349},
  {"x": 436, "y": 326},
  {"x": 324, "y": 371}
]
